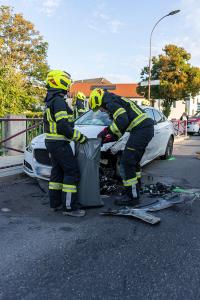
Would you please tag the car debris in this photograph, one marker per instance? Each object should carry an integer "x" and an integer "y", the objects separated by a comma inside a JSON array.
[
  {"x": 169, "y": 195},
  {"x": 132, "y": 212}
]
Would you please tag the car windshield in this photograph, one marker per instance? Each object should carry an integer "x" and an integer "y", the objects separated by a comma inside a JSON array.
[
  {"x": 94, "y": 118},
  {"x": 197, "y": 115}
]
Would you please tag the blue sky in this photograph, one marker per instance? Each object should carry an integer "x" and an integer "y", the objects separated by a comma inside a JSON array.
[{"x": 110, "y": 38}]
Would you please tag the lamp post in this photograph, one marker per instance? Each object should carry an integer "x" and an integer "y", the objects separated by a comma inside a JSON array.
[{"x": 149, "y": 80}]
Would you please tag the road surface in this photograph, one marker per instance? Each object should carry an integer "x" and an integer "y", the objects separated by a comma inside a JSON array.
[{"x": 45, "y": 255}]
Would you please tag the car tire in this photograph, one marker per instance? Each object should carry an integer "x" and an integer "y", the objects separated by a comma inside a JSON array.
[
  {"x": 169, "y": 149},
  {"x": 190, "y": 133}
]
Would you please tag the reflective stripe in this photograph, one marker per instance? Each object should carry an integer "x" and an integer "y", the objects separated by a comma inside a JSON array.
[
  {"x": 68, "y": 188},
  {"x": 118, "y": 112},
  {"x": 138, "y": 174},
  {"x": 61, "y": 115},
  {"x": 82, "y": 139},
  {"x": 113, "y": 127},
  {"x": 68, "y": 200},
  {"x": 129, "y": 148},
  {"x": 51, "y": 136},
  {"x": 55, "y": 185},
  {"x": 52, "y": 123},
  {"x": 130, "y": 182},
  {"x": 71, "y": 118},
  {"x": 137, "y": 121},
  {"x": 136, "y": 109},
  {"x": 76, "y": 135}
]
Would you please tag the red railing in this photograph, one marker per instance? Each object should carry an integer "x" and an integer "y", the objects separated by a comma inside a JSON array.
[
  {"x": 180, "y": 127},
  {"x": 32, "y": 124}
]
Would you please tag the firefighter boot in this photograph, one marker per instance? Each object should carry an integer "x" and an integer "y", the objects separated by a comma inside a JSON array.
[
  {"x": 131, "y": 198},
  {"x": 70, "y": 207}
]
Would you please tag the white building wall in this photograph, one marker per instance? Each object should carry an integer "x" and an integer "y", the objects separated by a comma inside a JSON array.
[{"x": 193, "y": 105}]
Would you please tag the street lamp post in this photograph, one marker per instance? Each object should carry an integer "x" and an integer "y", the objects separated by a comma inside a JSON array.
[{"x": 149, "y": 80}]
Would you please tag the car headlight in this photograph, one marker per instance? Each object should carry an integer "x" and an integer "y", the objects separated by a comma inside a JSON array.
[{"x": 30, "y": 148}]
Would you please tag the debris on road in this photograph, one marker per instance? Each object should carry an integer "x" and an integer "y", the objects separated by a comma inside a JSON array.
[
  {"x": 170, "y": 195},
  {"x": 132, "y": 212}
]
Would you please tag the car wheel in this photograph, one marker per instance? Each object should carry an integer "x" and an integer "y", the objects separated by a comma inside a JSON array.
[
  {"x": 169, "y": 149},
  {"x": 190, "y": 133}
]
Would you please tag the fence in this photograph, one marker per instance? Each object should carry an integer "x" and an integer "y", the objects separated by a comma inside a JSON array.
[
  {"x": 32, "y": 127},
  {"x": 180, "y": 127}
]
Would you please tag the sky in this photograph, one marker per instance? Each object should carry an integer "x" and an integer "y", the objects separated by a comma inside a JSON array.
[{"x": 110, "y": 38}]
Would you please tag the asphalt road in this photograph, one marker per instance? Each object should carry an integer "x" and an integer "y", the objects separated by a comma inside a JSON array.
[{"x": 45, "y": 255}]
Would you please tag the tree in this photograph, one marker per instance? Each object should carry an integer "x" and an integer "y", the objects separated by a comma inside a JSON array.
[
  {"x": 178, "y": 79},
  {"x": 16, "y": 94},
  {"x": 21, "y": 45},
  {"x": 23, "y": 64}
]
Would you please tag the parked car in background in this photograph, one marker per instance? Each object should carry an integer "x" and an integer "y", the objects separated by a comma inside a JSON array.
[
  {"x": 193, "y": 124},
  {"x": 37, "y": 162}
]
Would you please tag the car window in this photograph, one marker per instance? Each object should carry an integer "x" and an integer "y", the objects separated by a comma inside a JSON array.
[
  {"x": 157, "y": 115},
  {"x": 94, "y": 118},
  {"x": 149, "y": 113}
]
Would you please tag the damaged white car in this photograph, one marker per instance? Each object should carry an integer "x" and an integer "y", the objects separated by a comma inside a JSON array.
[{"x": 37, "y": 162}]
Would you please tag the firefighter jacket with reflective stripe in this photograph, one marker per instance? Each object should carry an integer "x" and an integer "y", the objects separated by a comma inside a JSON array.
[
  {"x": 59, "y": 118},
  {"x": 126, "y": 115},
  {"x": 79, "y": 108}
]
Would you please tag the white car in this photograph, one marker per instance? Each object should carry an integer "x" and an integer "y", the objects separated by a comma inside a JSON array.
[
  {"x": 193, "y": 124},
  {"x": 37, "y": 162}
]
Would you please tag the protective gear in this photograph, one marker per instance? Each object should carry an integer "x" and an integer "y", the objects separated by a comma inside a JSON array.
[
  {"x": 127, "y": 116},
  {"x": 58, "y": 125},
  {"x": 58, "y": 79},
  {"x": 95, "y": 100},
  {"x": 74, "y": 213},
  {"x": 59, "y": 119},
  {"x": 79, "y": 107},
  {"x": 80, "y": 96},
  {"x": 103, "y": 133},
  {"x": 131, "y": 157},
  {"x": 84, "y": 140},
  {"x": 126, "y": 201},
  {"x": 109, "y": 138}
]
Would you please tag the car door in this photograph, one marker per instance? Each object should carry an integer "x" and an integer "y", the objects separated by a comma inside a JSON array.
[
  {"x": 162, "y": 129},
  {"x": 152, "y": 149}
]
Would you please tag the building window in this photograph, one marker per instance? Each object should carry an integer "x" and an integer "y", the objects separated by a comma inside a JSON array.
[{"x": 174, "y": 104}]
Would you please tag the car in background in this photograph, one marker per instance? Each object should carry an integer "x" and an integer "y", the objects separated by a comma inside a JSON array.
[
  {"x": 193, "y": 124},
  {"x": 37, "y": 162}
]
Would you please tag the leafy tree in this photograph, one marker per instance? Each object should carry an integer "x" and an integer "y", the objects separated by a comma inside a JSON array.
[
  {"x": 16, "y": 94},
  {"x": 178, "y": 79},
  {"x": 21, "y": 45},
  {"x": 23, "y": 64}
]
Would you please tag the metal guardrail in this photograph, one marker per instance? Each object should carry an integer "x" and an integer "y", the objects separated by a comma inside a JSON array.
[
  {"x": 180, "y": 127},
  {"x": 34, "y": 127}
]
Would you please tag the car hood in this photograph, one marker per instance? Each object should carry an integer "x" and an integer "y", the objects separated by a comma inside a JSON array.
[{"x": 91, "y": 131}]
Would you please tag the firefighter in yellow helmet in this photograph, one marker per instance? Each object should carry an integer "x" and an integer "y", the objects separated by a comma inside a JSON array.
[
  {"x": 79, "y": 105},
  {"x": 126, "y": 117},
  {"x": 58, "y": 124}
]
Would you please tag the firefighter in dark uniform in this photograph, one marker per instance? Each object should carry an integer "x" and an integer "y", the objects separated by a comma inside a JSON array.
[
  {"x": 126, "y": 116},
  {"x": 58, "y": 123},
  {"x": 79, "y": 107}
]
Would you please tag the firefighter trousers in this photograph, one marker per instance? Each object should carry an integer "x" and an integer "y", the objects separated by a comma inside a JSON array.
[
  {"x": 132, "y": 155},
  {"x": 64, "y": 175}
]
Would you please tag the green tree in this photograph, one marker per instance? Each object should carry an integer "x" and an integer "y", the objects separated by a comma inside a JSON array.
[
  {"x": 17, "y": 95},
  {"x": 21, "y": 44},
  {"x": 23, "y": 64},
  {"x": 178, "y": 79}
]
